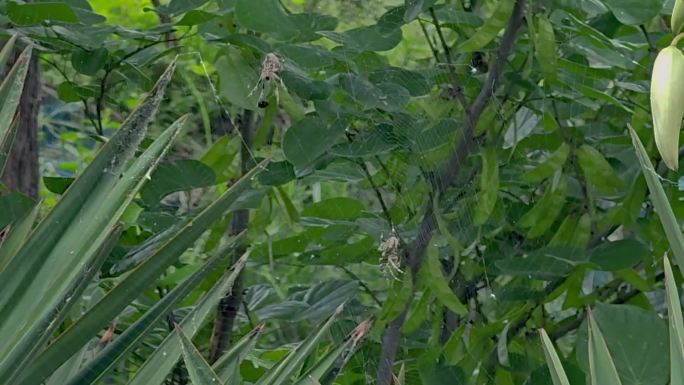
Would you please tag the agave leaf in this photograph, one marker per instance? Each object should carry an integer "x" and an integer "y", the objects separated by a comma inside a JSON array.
[
  {"x": 79, "y": 244},
  {"x": 198, "y": 368},
  {"x": 159, "y": 364},
  {"x": 326, "y": 369},
  {"x": 44, "y": 329},
  {"x": 557, "y": 373},
  {"x": 140, "y": 278},
  {"x": 662, "y": 205},
  {"x": 228, "y": 365},
  {"x": 41, "y": 260},
  {"x": 16, "y": 236},
  {"x": 601, "y": 367},
  {"x": 11, "y": 89},
  {"x": 674, "y": 311},
  {"x": 7, "y": 50},
  {"x": 667, "y": 92},
  {"x": 92, "y": 372},
  {"x": 284, "y": 369}
]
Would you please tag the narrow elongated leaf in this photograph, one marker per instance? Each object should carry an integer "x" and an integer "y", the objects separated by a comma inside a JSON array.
[
  {"x": 227, "y": 367},
  {"x": 7, "y": 50},
  {"x": 548, "y": 166},
  {"x": 11, "y": 89},
  {"x": 601, "y": 367},
  {"x": 659, "y": 199},
  {"x": 160, "y": 363},
  {"x": 489, "y": 29},
  {"x": 40, "y": 334},
  {"x": 16, "y": 237},
  {"x": 32, "y": 259},
  {"x": 545, "y": 47},
  {"x": 6, "y": 144},
  {"x": 198, "y": 368},
  {"x": 105, "y": 361},
  {"x": 676, "y": 322},
  {"x": 79, "y": 244},
  {"x": 555, "y": 367},
  {"x": 489, "y": 187},
  {"x": 282, "y": 371},
  {"x": 432, "y": 276}
]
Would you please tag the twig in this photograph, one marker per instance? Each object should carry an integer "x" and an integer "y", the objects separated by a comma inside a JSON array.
[
  {"x": 390, "y": 338},
  {"x": 375, "y": 188}
]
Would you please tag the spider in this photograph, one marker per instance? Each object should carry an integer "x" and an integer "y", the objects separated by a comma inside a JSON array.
[
  {"x": 391, "y": 261},
  {"x": 270, "y": 67}
]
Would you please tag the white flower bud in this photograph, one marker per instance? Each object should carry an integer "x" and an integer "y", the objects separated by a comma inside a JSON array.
[{"x": 667, "y": 103}]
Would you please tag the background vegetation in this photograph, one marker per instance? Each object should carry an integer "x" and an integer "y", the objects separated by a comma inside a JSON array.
[{"x": 417, "y": 188}]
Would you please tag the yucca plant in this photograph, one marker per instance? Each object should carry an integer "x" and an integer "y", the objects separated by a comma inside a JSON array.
[{"x": 44, "y": 269}]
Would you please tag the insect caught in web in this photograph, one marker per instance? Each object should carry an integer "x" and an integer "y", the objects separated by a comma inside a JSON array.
[
  {"x": 390, "y": 259},
  {"x": 270, "y": 67}
]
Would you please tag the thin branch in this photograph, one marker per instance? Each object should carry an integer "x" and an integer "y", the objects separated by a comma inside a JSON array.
[
  {"x": 390, "y": 338},
  {"x": 447, "y": 55},
  {"x": 375, "y": 188}
]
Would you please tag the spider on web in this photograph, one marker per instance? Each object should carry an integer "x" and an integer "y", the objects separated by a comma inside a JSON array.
[
  {"x": 270, "y": 67},
  {"x": 390, "y": 262}
]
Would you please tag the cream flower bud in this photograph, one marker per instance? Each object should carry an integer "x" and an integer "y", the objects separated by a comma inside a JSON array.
[
  {"x": 677, "y": 20},
  {"x": 667, "y": 103}
]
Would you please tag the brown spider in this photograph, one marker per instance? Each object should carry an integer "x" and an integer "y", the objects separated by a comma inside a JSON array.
[
  {"x": 390, "y": 258},
  {"x": 270, "y": 66}
]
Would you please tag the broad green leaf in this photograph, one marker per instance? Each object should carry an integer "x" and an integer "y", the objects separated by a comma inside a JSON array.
[
  {"x": 159, "y": 364},
  {"x": 413, "y": 8},
  {"x": 489, "y": 187},
  {"x": 36, "y": 13},
  {"x": 659, "y": 199},
  {"x": 198, "y": 368},
  {"x": 165, "y": 179},
  {"x": 433, "y": 277},
  {"x": 552, "y": 361},
  {"x": 444, "y": 228},
  {"x": 227, "y": 366},
  {"x": 50, "y": 260},
  {"x": 10, "y": 95},
  {"x": 634, "y": 12},
  {"x": 95, "y": 369},
  {"x": 176, "y": 7},
  {"x": 618, "y": 255},
  {"x": 220, "y": 157},
  {"x": 340, "y": 208},
  {"x": 545, "y": 211},
  {"x": 310, "y": 138},
  {"x": 18, "y": 233},
  {"x": 601, "y": 367},
  {"x": 374, "y": 142},
  {"x": 414, "y": 82},
  {"x": 676, "y": 326},
  {"x": 238, "y": 80},
  {"x": 140, "y": 278},
  {"x": 371, "y": 38},
  {"x": 270, "y": 17},
  {"x": 563, "y": 235},
  {"x": 196, "y": 16},
  {"x": 277, "y": 173},
  {"x": 57, "y": 184},
  {"x": 491, "y": 27},
  {"x": 89, "y": 62},
  {"x": 545, "y": 47},
  {"x": 546, "y": 263},
  {"x": 286, "y": 367}
]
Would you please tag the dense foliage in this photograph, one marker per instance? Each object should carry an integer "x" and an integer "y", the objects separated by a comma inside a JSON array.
[{"x": 417, "y": 188}]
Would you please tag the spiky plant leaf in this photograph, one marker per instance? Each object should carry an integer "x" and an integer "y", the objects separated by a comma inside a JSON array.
[
  {"x": 555, "y": 368},
  {"x": 198, "y": 368},
  {"x": 602, "y": 369},
  {"x": 674, "y": 312}
]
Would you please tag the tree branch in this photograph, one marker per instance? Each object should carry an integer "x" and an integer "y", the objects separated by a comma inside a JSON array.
[{"x": 390, "y": 338}]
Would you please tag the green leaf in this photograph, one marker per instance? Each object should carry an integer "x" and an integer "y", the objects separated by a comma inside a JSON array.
[
  {"x": 36, "y": 13},
  {"x": 374, "y": 142},
  {"x": 542, "y": 215},
  {"x": 545, "y": 47},
  {"x": 199, "y": 370},
  {"x": 140, "y": 278},
  {"x": 10, "y": 95},
  {"x": 659, "y": 199},
  {"x": 196, "y": 16},
  {"x": 371, "y": 38},
  {"x": 277, "y": 173},
  {"x": 413, "y": 8},
  {"x": 89, "y": 62},
  {"x": 310, "y": 138},
  {"x": 158, "y": 365},
  {"x": 269, "y": 16},
  {"x": 57, "y": 184},
  {"x": 433, "y": 277},
  {"x": 676, "y": 323},
  {"x": 489, "y": 187},
  {"x": 546, "y": 263},
  {"x": 227, "y": 366},
  {"x": 414, "y": 82},
  {"x": 165, "y": 179},
  {"x": 7, "y": 49},
  {"x": 18, "y": 233},
  {"x": 340, "y": 208},
  {"x": 552, "y": 361},
  {"x": 176, "y": 7},
  {"x": 618, "y": 255},
  {"x": 634, "y": 12},
  {"x": 601, "y": 367},
  {"x": 237, "y": 79},
  {"x": 485, "y": 34}
]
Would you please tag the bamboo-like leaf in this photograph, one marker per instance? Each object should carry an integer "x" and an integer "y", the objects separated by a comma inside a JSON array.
[
  {"x": 662, "y": 205},
  {"x": 39, "y": 335},
  {"x": 676, "y": 322},
  {"x": 124, "y": 344},
  {"x": 7, "y": 50},
  {"x": 159, "y": 364},
  {"x": 76, "y": 248},
  {"x": 11, "y": 89},
  {"x": 140, "y": 278},
  {"x": 48, "y": 256},
  {"x": 16, "y": 236},
  {"x": 6, "y": 144},
  {"x": 198, "y": 368},
  {"x": 552, "y": 361},
  {"x": 602, "y": 370},
  {"x": 284, "y": 369},
  {"x": 228, "y": 365}
]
